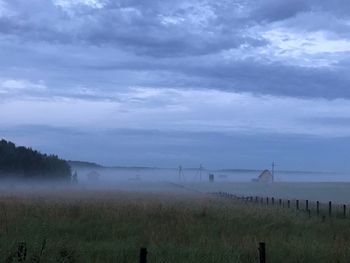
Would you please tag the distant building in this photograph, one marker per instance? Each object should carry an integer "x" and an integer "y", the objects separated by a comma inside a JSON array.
[
  {"x": 211, "y": 178},
  {"x": 93, "y": 176},
  {"x": 136, "y": 178},
  {"x": 264, "y": 177}
]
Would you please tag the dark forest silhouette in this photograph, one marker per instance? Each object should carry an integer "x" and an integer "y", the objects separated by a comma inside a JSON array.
[{"x": 22, "y": 162}]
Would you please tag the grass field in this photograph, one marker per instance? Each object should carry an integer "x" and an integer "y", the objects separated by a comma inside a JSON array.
[{"x": 110, "y": 226}]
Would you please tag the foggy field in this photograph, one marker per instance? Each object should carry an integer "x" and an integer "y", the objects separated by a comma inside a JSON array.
[
  {"x": 313, "y": 186},
  {"x": 110, "y": 226}
]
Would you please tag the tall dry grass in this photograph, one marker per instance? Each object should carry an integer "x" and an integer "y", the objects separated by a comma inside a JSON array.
[{"x": 107, "y": 226}]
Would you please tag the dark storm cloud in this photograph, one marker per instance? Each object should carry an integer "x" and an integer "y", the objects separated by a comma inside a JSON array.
[
  {"x": 132, "y": 26},
  {"x": 179, "y": 44},
  {"x": 275, "y": 10},
  {"x": 273, "y": 78},
  {"x": 334, "y": 121},
  {"x": 276, "y": 78}
]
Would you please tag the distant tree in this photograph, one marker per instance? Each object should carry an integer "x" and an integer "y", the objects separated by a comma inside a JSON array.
[
  {"x": 75, "y": 177},
  {"x": 27, "y": 163}
]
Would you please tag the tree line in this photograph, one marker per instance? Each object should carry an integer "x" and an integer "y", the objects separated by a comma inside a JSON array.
[{"x": 28, "y": 163}]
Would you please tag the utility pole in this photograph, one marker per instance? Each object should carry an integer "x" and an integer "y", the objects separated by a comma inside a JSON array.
[{"x": 181, "y": 173}]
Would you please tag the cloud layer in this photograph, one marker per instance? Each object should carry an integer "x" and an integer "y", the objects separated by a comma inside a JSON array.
[
  {"x": 165, "y": 109},
  {"x": 292, "y": 48},
  {"x": 229, "y": 67}
]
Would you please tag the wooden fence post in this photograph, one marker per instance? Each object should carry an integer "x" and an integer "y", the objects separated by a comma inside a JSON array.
[
  {"x": 288, "y": 203},
  {"x": 297, "y": 204},
  {"x": 344, "y": 211},
  {"x": 318, "y": 208},
  {"x": 143, "y": 255},
  {"x": 267, "y": 200},
  {"x": 22, "y": 252},
  {"x": 273, "y": 200},
  {"x": 280, "y": 202},
  {"x": 330, "y": 208},
  {"x": 262, "y": 252},
  {"x": 307, "y": 205}
]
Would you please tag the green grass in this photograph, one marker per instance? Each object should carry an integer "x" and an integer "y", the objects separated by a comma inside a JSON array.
[{"x": 96, "y": 226}]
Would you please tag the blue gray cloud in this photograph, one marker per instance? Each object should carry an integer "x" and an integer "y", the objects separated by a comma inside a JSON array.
[
  {"x": 126, "y": 68},
  {"x": 269, "y": 47}
]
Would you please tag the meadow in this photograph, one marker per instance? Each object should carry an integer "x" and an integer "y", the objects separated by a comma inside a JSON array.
[{"x": 111, "y": 225}]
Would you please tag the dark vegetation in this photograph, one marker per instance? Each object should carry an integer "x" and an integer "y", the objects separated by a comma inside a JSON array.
[
  {"x": 109, "y": 226},
  {"x": 22, "y": 162},
  {"x": 80, "y": 164}
]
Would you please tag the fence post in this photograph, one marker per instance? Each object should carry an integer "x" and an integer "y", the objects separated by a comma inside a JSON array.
[
  {"x": 288, "y": 203},
  {"x": 267, "y": 200},
  {"x": 344, "y": 211},
  {"x": 262, "y": 252},
  {"x": 280, "y": 202},
  {"x": 273, "y": 200},
  {"x": 143, "y": 255},
  {"x": 318, "y": 208},
  {"x": 297, "y": 204},
  {"x": 22, "y": 252},
  {"x": 330, "y": 208},
  {"x": 307, "y": 204}
]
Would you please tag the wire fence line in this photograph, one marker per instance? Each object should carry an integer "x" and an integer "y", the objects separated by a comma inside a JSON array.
[
  {"x": 261, "y": 257},
  {"x": 149, "y": 256},
  {"x": 311, "y": 208}
]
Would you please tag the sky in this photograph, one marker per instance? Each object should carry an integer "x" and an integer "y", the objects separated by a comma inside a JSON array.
[{"x": 225, "y": 84}]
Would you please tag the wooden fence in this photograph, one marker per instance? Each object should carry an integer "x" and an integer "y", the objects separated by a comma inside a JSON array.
[
  {"x": 22, "y": 253},
  {"x": 261, "y": 249},
  {"x": 310, "y": 208}
]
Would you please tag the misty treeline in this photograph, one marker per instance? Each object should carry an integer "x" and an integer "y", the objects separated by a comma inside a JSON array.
[{"x": 27, "y": 163}]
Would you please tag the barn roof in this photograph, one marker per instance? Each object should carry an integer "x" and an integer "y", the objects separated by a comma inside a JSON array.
[{"x": 265, "y": 176}]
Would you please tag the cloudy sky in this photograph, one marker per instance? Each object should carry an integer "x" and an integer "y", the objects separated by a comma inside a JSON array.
[{"x": 230, "y": 83}]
